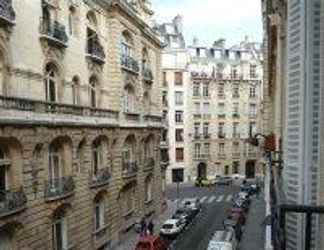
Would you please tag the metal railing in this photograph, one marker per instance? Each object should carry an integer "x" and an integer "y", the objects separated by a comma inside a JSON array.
[
  {"x": 129, "y": 63},
  {"x": 7, "y": 12},
  {"x": 221, "y": 135},
  {"x": 96, "y": 51},
  {"x": 152, "y": 118},
  {"x": 59, "y": 188},
  {"x": 100, "y": 178},
  {"x": 24, "y": 104},
  {"x": 12, "y": 202},
  {"x": 221, "y": 155},
  {"x": 129, "y": 169},
  {"x": 236, "y": 115},
  {"x": 236, "y": 154},
  {"x": 55, "y": 31}
]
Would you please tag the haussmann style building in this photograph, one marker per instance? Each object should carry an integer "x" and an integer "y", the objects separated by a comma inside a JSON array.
[{"x": 80, "y": 122}]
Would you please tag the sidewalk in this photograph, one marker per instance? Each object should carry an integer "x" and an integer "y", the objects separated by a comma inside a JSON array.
[
  {"x": 129, "y": 242},
  {"x": 253, "y": 234}
]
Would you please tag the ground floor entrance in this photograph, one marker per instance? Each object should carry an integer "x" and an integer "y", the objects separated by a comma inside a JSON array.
[
  {"x": 202, "y": 170},
  {"x": 250, "y": 169}
]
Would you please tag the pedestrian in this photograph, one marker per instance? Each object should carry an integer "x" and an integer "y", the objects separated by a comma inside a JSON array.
[
  {"x": 150, "y": 227},
  {"x": 143, "y": 227}
]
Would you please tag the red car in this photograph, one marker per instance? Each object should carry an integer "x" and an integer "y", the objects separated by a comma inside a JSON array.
[{"x": 151, "y": 242}]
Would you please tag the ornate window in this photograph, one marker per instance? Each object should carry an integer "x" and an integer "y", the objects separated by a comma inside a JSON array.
[
  {"x": 50, "y": 82},
  {"x": 129, "y": 99},
  {"x": 93, "y": 85},
  {"x": 4, "y": 167},
  {"x": 99, "y": 214},
  {"x": 59, "y": 233},
  {"x": 127, "y": 44},
  {"x": 55, "y": 164},
  {"x": 72, "y": 21},
  {"x": 75, "y": 91},
  {"x": 97, "y": 156}
]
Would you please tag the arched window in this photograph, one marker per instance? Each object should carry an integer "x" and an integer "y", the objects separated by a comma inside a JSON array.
[
  {"x": 2, "y": 75},
  {"x": 72, "y": 21},
  {"x": 59, "y": 232},
  {"x": 148, "y": 189},
  {"x": 99, "y": 213},
  {"x": 93, "y": 85},
  {"x": 145, "y": 59},
  {"x": 129, "y": 99},
  {"x": 97, "y": 156},
  {"x": 50, "y": 82},
  {"x": 127, "y": 44},
  {"x": 4, "y": 167},
  {"x": 55, "y": 165},
  {"x": 128, "y": 154},
  {"x": 75, "y": 90}
]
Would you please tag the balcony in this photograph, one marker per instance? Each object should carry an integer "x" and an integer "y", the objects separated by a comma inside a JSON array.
[
  {"x": 59, "y": 188},
  {"x": 130, "y": 64},
  {"x": 199, "y": 75},
  {"x": 53, "y": 33},
  {"x": 222, "y": 116},
  {"x": 147, "y": 75},
  {"x": 23, "y": 104},
  {"x": 207, "y": 116},
  {"x": 101, "y": 178},
  {"x": 236, "y": 115},
  {"x": 235, "y": 96},
  {"x": 164, "y": 144},
  {"x": 221, "y": 96},
  {"x": 152, "y": 118},
  {"x": 197, "y": 136},
  {"x": 129, "y": 169},
  {"x": 207, "y": 136},
  {"x": 252, "y": 155},
  {"x": 221, "y": 135},
  {"x": 236, "y": 135},
  {"x": 7, "y": 13},
  {"x": 12, "y": 202},
  {"x": 221, "y": 156},
  {"x": 201, "y": 157},
  {"x": 197, "y": 116},
  {"x": 236, "y": 155},
  {"x": 96, "y": 52},
  {"x": 252, "y": 116},
  {"x": 149, "y": 164}
]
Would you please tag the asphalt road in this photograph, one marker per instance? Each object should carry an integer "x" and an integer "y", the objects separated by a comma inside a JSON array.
[{"x": 215, "y": 201}]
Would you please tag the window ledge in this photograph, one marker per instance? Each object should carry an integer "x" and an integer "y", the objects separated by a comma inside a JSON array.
[{"x": 100, "y": 230}]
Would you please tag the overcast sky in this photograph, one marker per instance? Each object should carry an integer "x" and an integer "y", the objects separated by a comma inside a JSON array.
[{"x": 212, "y": 19}]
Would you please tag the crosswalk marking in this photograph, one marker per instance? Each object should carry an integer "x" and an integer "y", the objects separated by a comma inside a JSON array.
[
  {"x": 229, "y": 198},
  {"x": 220, "y": 198},
  {"x": 203, "y": 199},
  {"x": 211, "y": 199}
]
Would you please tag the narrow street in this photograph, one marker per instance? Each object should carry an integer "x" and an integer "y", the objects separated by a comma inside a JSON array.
[{"x": 216, "y": 201}]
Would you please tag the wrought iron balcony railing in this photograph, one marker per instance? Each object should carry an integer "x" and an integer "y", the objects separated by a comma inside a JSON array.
[
  {"x": 207, "y": 136},
  {"x": 54, "y": 33},
  {"x": 164, "y": 144},
  {"x": 221, "y": 135},
  {"x": 12, "y": 202},
  {"x": 149, "y": 163},
  {"x": 147, "y": 74},
  {"x": 236, "y": 115},
  {"x": 236, "y": 135},
  {"x": 201, "y": 157},
  {"x": 221, "y": 115},
  {"x": 196, "y": 136},
  {"x": 130, "y": 64},
  {"x": 7, "y": 12},
  {"x": 236, "y": 155},
  {"x": 59, "y": 188},
  {"x": 24, "y": 104},
  {"x": 129, "y": 169},
  {"x": 100, "y": 178},
  {"x": 96, "y": 52},
  {"x": 221, "y": 155}
]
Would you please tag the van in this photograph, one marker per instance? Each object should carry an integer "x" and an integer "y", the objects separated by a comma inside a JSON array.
[{"x": 223, "y": 240}]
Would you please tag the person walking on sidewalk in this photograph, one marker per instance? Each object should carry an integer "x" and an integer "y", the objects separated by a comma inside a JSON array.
[
  {"x": 143, "y": 227},
  {"x": 150, "y": 228}
]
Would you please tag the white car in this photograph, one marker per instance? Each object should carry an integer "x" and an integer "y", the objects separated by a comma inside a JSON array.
[
  {"x": 171, "y": 227},
  {"x": 223, "y": 240}
]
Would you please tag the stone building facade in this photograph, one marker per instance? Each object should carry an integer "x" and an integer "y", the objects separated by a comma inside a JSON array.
[
  {"x": 224, "y": 109},
  {"x": 80, "y": 122}
]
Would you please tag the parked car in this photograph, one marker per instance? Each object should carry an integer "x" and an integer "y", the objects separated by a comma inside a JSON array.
[
  {"x": 172, "y": 227},
  {"x": 238, "y": 176},
  {"x": 192, "y": 204},
  {"x": 223, "y": 240},
  {"x": 182, "y": 215},
  {"x": 204, "y": 182},
  {"x": 151, "y": 242},
  {"x": 224, "y": 180}
]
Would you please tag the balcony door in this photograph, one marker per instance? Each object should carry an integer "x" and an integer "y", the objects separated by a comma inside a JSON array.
[
  {"x": 50, "y": 81},
  {"x": 54, "y": 167}
]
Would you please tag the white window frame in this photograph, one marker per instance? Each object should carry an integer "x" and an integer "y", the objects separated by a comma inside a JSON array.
[
  {"x": 100, "y": 208},
  {"x": 64, "y": 239}
]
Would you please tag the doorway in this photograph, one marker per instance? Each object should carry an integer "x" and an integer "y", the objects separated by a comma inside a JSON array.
[
  {"x": 250, "y": 169},
  {"x": 202, "y": 170}
]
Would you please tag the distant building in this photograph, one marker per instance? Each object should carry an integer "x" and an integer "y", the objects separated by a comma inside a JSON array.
[{"x": 212, "y": 100}]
